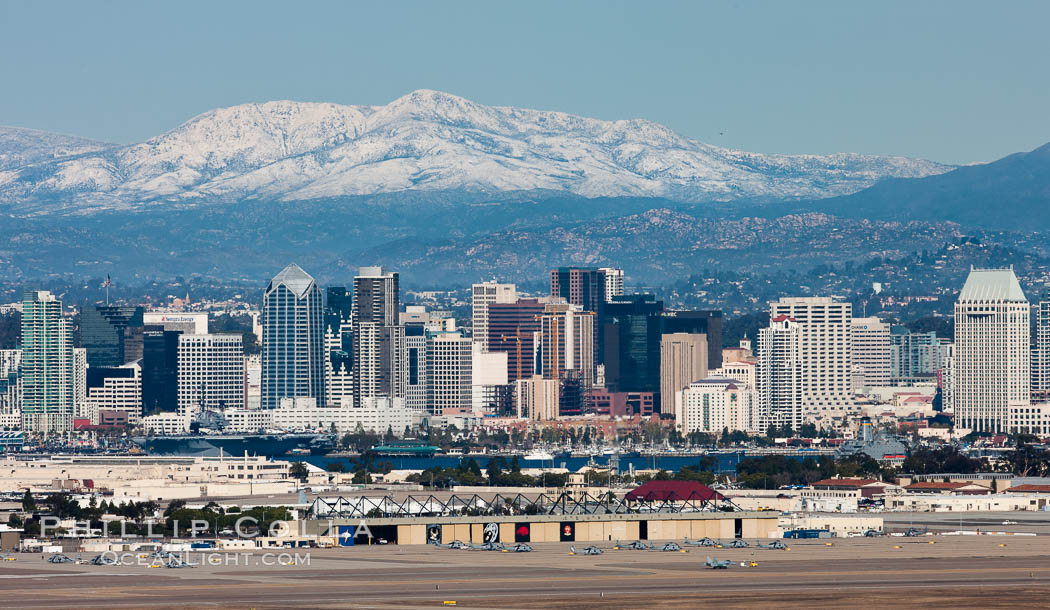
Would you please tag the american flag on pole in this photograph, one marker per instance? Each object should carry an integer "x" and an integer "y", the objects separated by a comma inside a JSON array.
[{"x": 107, "y": 283}]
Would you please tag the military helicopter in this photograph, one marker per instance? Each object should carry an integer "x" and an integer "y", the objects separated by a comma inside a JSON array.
[
  {"x": 590, "y": 550},
  {"x": 701, "y": 542}
]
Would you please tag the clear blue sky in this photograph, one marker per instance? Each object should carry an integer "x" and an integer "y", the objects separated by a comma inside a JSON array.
[{"x": 952, "y": 81}]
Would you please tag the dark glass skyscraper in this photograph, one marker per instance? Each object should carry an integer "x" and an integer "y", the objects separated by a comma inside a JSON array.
[
  {"x": 160, "y": 370},
  {"x": 293, "y": 339},
  {"x": 111, "y": 334},
  {"x": 586, "y": 287},
  {"x": 632, "y": 329}
]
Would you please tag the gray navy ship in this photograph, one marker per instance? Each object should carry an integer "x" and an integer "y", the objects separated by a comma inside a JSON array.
[{"x": 236, "y": 444}]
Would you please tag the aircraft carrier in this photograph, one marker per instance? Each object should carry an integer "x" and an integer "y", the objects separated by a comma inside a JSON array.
[{"x": 227, "y": 444}]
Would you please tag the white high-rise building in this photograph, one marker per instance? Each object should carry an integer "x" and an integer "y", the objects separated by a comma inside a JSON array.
[
  {"x": 613, "y": 282},
  {"x": 717, "y": 404},
  {"x": 871, "y": 353},
  {"x": 449, "y": 378},
  {"x": 482, "y": 295},
  {"x": 210, "y": 373},
  {"x": 778, "y": 374},
  {"x": 379, "y": 357},
  {"x": 683, "y": 360},
  {"x": 826, "y": 355},
  {"x": 992, "y": 350}
]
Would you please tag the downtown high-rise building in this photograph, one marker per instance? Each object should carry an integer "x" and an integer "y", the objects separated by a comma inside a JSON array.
[
  {"x": 826, "y": 351},
  {"x": 449, "y": 378},
  {"x": 1041, "y": 350},
  {"x": 293, "y": 339},
  {"x": 339, "y": 345},
  {"x": 379, "y": 349},
  {"x": 779, "y": 376},
  {"x": 481, "y": 296},
  {"x": 160, "y": 370},
  {"x": 512, "y": 329},
  {"x": 111, "y": 334},
  {"x": 683, "y": 360},
  {"x": 211, "y": 373},
  {"x": 631, "y": 341},
  {"x": 586, "y": 287},
  {"x": 47, "y": 365},
  {"x": 613, "y": 282},
  {"x": 992, "y": 350},
  {"x": 566, "y": 343},
  {"x": 871, "y": 353},
  {"x": 916, "y": 357}
]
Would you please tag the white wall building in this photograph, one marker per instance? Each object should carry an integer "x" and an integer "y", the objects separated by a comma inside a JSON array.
[
  {"x": 826, "y": 354},
  {"x": 481, "y": 296},
  {"x": 778, "y": 374},
  {"x": 871, "y": 353},
  {"x": 744, "y": 372},
  {"x": 117, "y": 393},
  {"x": 190, "y": 323},
  {"x": 210, "y": 373},
  {"x": 1024, "y": 417},
  {"x": 374, "y": 415},
  {"x": 449, "y": 375},
  {"x": 715, "y": 404},
  {"x": 566, "y": 342},
  {"x": 992, "y": 349},
  {"x": 162, "y": 424},
  {"x": 248, "y": 421},
  {"x": 613, "y": 282}
]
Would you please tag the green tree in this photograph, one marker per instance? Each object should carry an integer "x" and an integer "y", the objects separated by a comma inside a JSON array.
[
  {"x": 299, "y": 471},
  {"x": 28, "y": 503},
  {"x": 335, "y": 467}
]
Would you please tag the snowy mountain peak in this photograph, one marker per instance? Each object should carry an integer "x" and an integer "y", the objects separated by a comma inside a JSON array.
[{"x": 423, "y": 141}]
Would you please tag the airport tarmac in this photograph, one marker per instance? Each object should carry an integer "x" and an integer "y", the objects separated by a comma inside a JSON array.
[{"x": 952, "y": 572}]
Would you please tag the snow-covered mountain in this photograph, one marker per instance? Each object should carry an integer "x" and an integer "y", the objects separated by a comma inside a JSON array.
[
  {"x": 426, "y": 141},
  {"x": 21, "y": 147}
]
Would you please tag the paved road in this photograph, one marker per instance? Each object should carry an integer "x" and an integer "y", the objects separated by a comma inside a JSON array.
[{"x": 952, "y": 572}]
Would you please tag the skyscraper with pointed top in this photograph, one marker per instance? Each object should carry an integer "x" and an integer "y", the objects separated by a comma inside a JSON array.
[{"x": 293, "y": 339}]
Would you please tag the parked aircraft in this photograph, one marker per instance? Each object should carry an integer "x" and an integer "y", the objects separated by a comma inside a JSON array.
[
  {"x": 455, "y": 545},
  {"x": 59, "y": 558},
  {"x": 670, "y": 547},
  {"x": 102, "y": 560},
  {"x": 637, "y": 545},
  {"x": 701, "y": 542},
  {"x": 715, "y": 564},
  {"x": 590, "y": 550},
  {"x": 776, "y": 544},
  {"x": 521, "y": 547},
  {"x": 738, "y": 543}
]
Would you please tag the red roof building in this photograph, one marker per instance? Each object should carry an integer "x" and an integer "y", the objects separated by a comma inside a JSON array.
[
  {"x": 673, "y": 491},
  {"x": 868, "y": 488},
  {"x": 1029, "y": 488},
  {"x": 940, "y": 487}
]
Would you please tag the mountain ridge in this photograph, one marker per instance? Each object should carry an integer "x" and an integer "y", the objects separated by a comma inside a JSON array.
[{"x": 422, "y": 142}]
